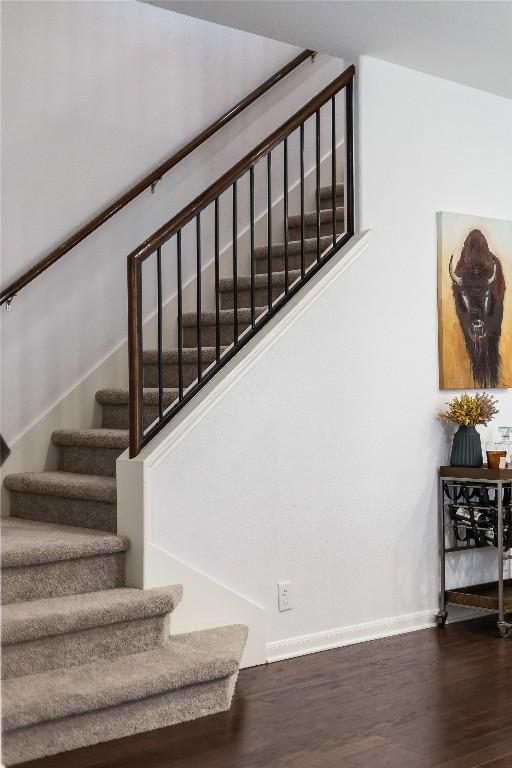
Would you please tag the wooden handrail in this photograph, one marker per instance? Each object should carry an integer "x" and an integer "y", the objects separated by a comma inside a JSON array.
[
  {"x": 9, "y": 292},
  {"x": 224, "y": 182}
]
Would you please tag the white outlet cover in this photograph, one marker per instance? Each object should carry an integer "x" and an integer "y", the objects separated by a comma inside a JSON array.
[{"x": 284, "y": 595}]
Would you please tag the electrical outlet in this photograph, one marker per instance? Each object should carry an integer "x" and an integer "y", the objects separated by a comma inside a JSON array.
[{"x": 284, "y": 593}]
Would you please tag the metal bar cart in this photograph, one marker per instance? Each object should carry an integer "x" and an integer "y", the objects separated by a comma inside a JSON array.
[{"x": 475, "y": 512}]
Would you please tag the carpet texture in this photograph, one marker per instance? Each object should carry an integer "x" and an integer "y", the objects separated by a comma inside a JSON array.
[
  {"x": 56, "y": 616},
  {"x": 26, "y": 542},
  {"x": 160, "y": 711}
]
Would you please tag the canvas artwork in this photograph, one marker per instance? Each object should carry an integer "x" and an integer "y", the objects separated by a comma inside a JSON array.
[{"x": 474, "y": 302}]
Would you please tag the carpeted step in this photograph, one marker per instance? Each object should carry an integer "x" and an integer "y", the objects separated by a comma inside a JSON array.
[
  {"x": 115, "y": 405},
  {"x": 191, "y": 676},
  {"x": 294, "y": 223},
  {"x": 64, "y": 498},
  {"x": 40, "y": 635},
  {"x": 208, "y": 325},
  {"x": 326, "y": 195},
  {"x": 294, "y": 257},
  {"x": 42, "y": 560},
  {"x": 90, "y": 451},
  {"x": 170, "y": 365},
  {"x": 244, "y": 299}
]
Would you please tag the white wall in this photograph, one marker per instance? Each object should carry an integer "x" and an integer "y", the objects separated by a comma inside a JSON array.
[
  {"x": 96, "y": 94},
  {"x": 427, "y": 145},
  {"x": 320, "y": 464}
]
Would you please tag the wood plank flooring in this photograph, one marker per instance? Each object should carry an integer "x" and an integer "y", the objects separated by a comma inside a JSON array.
[{"x": 430, "y": 699}]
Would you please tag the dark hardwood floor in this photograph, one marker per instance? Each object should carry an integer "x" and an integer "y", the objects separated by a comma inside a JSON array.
[{"x": 430, "y": 699}]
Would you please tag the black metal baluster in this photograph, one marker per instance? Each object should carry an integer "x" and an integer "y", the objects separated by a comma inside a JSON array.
[
  {"x": 269, "y": 229},
  {"x": 349, "y": 139},
  {"x": 302, "y": 265},
  {"x": 180, "y": 317},
  {"x": 159, "y": 333},
  {"x": 318, "y": 185},
  {"x": 198, "y": 298},
  {"x": 253, "y": 276},
  {"x": 235, "y": 267},
  {"x": 217, "y": 287},
  {"x": 286, "y": 215},
  {"x": 333, "y": 167}
]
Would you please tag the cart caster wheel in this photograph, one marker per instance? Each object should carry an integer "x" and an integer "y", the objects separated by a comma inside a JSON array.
[
  {"x": 441, "y": 618},
  {"x": 505, "y": 629}
]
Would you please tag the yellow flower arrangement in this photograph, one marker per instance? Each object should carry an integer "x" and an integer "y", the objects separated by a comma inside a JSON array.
[{"x": 470, "y": 410}]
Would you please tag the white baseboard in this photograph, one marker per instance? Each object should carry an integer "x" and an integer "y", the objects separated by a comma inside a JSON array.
[{"x": 337, "y": 638}]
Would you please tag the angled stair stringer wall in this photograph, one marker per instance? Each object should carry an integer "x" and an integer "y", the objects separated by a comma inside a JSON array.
[{"x": 149, "y": 563}]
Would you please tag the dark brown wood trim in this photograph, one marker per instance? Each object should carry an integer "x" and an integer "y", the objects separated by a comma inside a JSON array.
[
  {"x": 481, "y": 473},
  {"x": 224, "y": 182},
  {"x": 145, "y": 183},
  {"x": 136, "y": 400}
]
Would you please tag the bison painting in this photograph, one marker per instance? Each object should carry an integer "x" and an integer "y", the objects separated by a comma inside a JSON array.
[{"x": 478, "y": 286}]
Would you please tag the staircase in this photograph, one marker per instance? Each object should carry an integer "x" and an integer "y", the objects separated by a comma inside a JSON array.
[
  {"x": 66, "y": 607},
  {"x": 65, "y": 603}
]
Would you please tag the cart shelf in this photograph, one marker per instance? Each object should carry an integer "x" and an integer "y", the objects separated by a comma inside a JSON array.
[{"x": 482, "y": 596}]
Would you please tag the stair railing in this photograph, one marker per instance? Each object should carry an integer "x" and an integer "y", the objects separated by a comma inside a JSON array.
[
  {"x": 148, "y": 182},
  {"x": 146, "y": 419}
]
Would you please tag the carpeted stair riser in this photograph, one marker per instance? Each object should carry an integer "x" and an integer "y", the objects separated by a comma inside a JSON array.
[
  {"x": 63, "y": 577},
  {"x": 294, "y": 255},
  {"x": 115, "y": 404},
  {"x": 170, "y": 374},
  {"x": 147, "y": 714},
  {"x": 294, "y": 224},
  {"x": 73, "y": 648},
  {"x": 117, "y": 416},
  {"x": 88, "y": 460},
  {"x": 208, "y": 333},
  {"x": 244, "y": 297},
  {"x": 294, "y": 231},
  {"x": 278, "y": 263},
  {"x": 326, "y": 196},
  {"x": 85, "y": 513}
]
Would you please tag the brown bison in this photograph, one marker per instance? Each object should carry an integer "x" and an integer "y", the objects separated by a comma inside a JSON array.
[{"x": 478, "y": 290}]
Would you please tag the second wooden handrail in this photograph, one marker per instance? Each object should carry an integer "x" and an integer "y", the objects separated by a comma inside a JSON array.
[{"x": 9, "y": 292}]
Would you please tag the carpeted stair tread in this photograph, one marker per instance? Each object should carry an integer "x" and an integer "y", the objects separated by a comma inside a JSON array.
[
  {"x": 59, "y": 615},
  {"x": 260, "y": 281},
  {"x": 70, "y": 485},
  {"x": 294, "y": 247},
  {"x": 185, "y": 660},
  {"x": 189, "y": 355},
  {"x": 25, "y": 542},
  {"x": 91, "y": 438},
  {"x": 327, "y": 191},
  {"x": 294, "y": 222},
  {"x": 121, "y": 396},
  {"x": 226, "y": 317}
]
